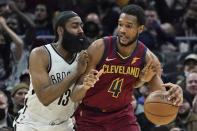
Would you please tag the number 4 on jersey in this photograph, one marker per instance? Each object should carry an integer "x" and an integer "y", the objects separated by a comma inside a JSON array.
[{"x": 115, "y": 87}]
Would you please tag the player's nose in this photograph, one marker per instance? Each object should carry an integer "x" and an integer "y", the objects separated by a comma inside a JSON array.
[{"x": 80, "y": 30}]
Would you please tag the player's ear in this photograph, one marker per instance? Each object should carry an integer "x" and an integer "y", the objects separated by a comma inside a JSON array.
[
  {"x": 140, "y": 28},
  {"x": 60, "y": 30}
]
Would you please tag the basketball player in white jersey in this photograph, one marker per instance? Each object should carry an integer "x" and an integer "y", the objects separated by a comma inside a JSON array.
[{"x": 54, "y": 69}]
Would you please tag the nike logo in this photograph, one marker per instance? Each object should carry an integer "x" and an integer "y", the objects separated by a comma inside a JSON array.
[
  {"x": 108, "y": 59},
  {"x": 134, "y": 60}
]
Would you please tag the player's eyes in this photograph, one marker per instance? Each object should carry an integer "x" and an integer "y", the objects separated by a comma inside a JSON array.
[
  {"x": 74, "y": 26},
  {"x": 128, "y": 26}
]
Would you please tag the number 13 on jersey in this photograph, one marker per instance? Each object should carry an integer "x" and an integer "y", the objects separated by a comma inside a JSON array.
[{"x": 115, "y": 87}]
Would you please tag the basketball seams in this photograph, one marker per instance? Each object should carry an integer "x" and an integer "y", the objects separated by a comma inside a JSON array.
[
  {"x": 160, "y": 115},
  {"x": 161, "y": 103}
]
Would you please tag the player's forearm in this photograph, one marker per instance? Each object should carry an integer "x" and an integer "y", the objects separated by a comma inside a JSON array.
[
  {"x": 50, "y": 93},
  {"x": 155, "y": 83},
  {"x": 78, "y": 93}
]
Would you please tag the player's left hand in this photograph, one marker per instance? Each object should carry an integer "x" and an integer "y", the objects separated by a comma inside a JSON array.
[
  {"x": 175, "y": 93},
  {"x": 149, "y": 71},
  {"x": 82, "y": 61},
  {"x": 91, "y": 78}
]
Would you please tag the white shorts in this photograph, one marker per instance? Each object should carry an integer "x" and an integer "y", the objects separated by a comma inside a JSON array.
[{"x": 31, "y": 122}]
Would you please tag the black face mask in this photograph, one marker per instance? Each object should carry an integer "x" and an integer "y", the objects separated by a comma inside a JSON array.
[
  {"x": 91, "y": 29},
  {"x": 74, "y": 43},
  {"x": 185, "y": 114},
  {"x": 2, "y": 114},
  {"x": 190, "y": 22}
]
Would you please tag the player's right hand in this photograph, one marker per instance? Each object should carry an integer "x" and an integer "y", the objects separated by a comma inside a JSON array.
[
  {"x": 149, "y": 71},
  {"x": 91, "y": 78},
  {"x": 82, "y": 61}
]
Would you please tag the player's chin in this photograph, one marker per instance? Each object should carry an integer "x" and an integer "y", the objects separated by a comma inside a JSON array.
[{"x": 123, "y": 42}]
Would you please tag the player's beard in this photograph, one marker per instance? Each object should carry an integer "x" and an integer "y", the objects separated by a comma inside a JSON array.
[
  {"x": 74, "y": 43},
  {"x": 130, "y": 42}
]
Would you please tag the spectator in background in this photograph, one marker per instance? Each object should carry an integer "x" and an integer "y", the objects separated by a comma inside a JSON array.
[
  {"x": 94, "y": 17},
  {"x": 189, "y": 64},
  {"x": 154, "y": 36},
  {"x": 4, "y": 8},
  {"x": 93, "y": 27},
  {"x": 191, "y": 86},
  {"x": 169, "y": 46},
  {"x": 43, "y": 24},
  {"x": 13, "y": 23},
  {"x": 8, "y": 55},
  {"x": 193, "y": 3},
  {"x": 25, "y": 25},
  {"x": 43, "y": 20},
  {"x": 91, "y": 30},
  {"x": 18, "y": 93},
  {"x": 187, "y": 27},
  {"x": 6, "y": 119},
  {"x": 109, "y": 14},
  {"x": 174, "y": 9},
  {"x": 22, "y": 6},
  {"x": 52, "y": 4},
  {"x": 191, "y": 83},
  {"x": 186, "y": 119}
]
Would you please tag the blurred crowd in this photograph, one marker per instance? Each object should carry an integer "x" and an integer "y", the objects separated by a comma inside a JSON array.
[{"x": 170, "y": 32}]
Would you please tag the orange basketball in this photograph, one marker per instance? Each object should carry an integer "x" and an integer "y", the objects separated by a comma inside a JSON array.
[{"x": 158, "y": 109}]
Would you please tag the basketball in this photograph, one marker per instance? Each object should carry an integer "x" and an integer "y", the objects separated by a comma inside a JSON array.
[{"x": 158, "y": 109}]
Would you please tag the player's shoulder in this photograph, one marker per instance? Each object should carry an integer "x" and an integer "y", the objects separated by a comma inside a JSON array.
[
  {"x": 96, "y": 50},
  {"x": 97, "y": 46},
  {"x": 38, "y": 50},
  {"x": 97, "y": 43},
  {"x": 39, "y": 53}
]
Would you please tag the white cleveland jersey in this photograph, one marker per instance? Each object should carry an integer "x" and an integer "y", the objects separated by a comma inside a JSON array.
[{"x": 62, "y": 108}]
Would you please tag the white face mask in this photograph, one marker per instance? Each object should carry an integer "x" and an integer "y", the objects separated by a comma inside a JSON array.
[{"x": 186, "y": 74}]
